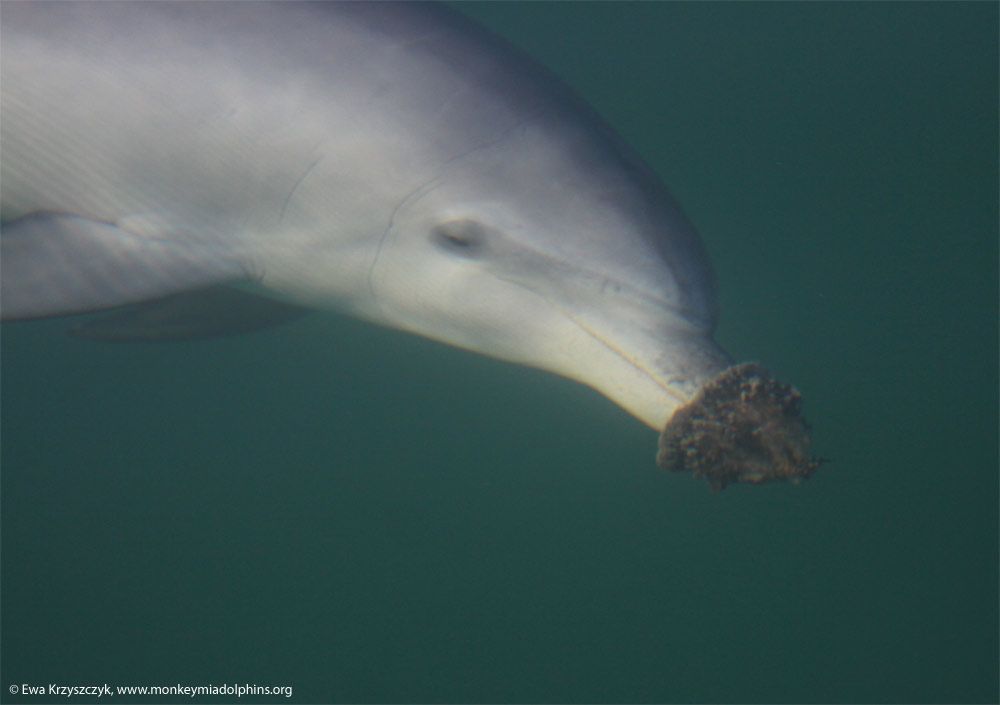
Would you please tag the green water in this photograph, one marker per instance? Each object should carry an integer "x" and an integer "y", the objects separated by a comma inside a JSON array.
[{"x": 371, "y": 517}]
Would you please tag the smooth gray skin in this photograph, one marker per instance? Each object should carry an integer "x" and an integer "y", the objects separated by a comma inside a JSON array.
[{"x": 391, "y": 161}]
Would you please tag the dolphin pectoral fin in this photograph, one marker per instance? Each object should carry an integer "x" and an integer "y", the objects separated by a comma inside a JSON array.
[
  {"x": 55, "y": 264},
  {"x": 206, "y": 313}
]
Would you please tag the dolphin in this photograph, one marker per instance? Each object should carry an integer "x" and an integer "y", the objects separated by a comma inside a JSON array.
[{"x": 200, "y": 168}]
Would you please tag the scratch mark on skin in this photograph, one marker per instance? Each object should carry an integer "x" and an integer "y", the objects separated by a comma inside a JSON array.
[{"x": 295, "y": 186}]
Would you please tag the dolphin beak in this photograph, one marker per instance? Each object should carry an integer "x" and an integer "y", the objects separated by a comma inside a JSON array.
[{"x": 726, "y": 423}]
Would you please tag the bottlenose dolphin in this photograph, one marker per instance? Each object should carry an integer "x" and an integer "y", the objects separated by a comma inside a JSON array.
[{"x": 393, "y": 162}]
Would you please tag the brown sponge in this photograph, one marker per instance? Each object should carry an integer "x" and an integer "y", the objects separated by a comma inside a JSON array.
[{"x": 743, "y": 426}]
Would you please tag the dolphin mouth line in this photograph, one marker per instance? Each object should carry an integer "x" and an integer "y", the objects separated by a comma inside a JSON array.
[
  {"x": 623, "y": 355},
  {"x": 663, "y": 384}
]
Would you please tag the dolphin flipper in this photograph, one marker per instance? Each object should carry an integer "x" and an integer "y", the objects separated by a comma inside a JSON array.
[
  {"x": 207, "y": 313},
  {"x": 54, "y": 264}
]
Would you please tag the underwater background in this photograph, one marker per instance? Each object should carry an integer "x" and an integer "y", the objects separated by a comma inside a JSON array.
[{"x": 372, "y": 517}]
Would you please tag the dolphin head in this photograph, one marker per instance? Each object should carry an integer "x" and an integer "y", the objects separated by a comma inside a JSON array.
[{"x": 554, "y": 246}]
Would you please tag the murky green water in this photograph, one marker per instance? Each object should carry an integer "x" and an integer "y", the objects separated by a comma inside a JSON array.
[{"x": 367, "y": 516}]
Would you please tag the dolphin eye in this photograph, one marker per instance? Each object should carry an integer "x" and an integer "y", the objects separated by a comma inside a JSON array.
[{"x": 466, "y": 238}]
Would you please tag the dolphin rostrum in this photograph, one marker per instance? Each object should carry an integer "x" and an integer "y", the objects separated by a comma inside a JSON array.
[{"x": 393, "y": 162}]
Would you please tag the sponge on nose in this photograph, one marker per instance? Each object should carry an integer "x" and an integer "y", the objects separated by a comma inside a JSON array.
[{"x": 742, "y": 426}]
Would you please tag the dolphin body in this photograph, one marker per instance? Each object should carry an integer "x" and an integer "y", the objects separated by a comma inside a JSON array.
[{"x": 393, "y": 162}]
